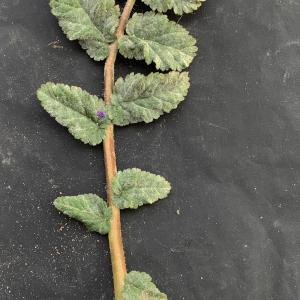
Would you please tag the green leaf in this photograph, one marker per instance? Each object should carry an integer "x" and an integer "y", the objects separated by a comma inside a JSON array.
[
  {"x": 92, "y": 22},
  {"x": 76, "y": 109},
  {"x": 133, "y": 188},
  {"x": 179, "y": 6},
  {"x": 140, "y": 98},
  {"x": 154, "y": 38},
  {"x": 89, "y": 209},
  {"x": 139, "y": 286}
]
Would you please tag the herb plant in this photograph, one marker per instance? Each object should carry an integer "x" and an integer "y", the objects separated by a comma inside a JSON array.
[{"x": 99, "y": 27}]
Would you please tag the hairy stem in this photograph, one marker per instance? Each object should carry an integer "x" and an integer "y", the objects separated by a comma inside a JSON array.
[{"x": 115, "y": 234}]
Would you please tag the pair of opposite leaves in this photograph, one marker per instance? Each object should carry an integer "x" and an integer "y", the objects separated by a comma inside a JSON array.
[
  {"x": 131, "y": 188},
  {"x": 149, "y": 36}
]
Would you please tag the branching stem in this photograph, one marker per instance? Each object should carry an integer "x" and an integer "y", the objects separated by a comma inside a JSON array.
[{"x": 115, "y": 234}]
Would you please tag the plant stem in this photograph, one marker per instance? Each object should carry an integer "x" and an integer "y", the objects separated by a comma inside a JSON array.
[{"x": 115, "y": 234}]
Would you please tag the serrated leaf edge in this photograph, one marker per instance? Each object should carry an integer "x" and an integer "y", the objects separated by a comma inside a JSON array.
[
  {"x": 56, "y": 119},
  {"x": 123, "y": 79},
  {"x": 62, "y": 211},
  {"x": 144, "y": 58},
  {"x": 148, "y": 173}
]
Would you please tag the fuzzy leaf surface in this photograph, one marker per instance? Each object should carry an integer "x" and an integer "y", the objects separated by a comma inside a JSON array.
[
  {"x": 179, "y": 6},
  {"x": 88, "y": 209},
  {"x": 140, "y": 98},
  {"x": 75, "y": 109},
  {"x": 92, "y": 22},
  {"x": 154, "y": 38},
  {"x": 133, "y": 188},
  {"x": 139, "y": 286}
]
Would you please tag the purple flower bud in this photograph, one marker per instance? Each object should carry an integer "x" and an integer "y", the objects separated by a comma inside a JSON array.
[{"x": 101, "y": 114}]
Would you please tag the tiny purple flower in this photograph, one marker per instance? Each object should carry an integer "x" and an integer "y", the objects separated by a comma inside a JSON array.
[{"x": 101, "y": 114}]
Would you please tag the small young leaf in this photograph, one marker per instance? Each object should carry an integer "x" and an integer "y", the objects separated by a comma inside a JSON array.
[
  {"x": 139, "y": 286},
  {"x": 140, "y": 98},
  {"x": 179, "y": 6},
  {"x": 76, "y": 109},
  {"x": 154, "y": 38},
  {"x": 133, "y": 188},
  {"x": 92, "y": 22},
  {"x": 89, "y": 209}
]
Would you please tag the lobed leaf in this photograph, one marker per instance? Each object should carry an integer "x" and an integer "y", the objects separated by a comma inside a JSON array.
[
  {"x": 76, "y": 109},
  {"x": 89, "y": 209},
  {"x": 154, "y": 38},
  {"x": 133, "y": 188},
  {"x": 179, "y": 6},
  {"x": 140, "y": 98},
  {"x": 92, "y": 22},
  {"x": 139, "y": 286}
]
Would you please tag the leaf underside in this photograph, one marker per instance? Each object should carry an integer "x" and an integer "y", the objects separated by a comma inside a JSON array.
[
  {"x": 88, "y": 209},
  {"x": 92, "y": 22},
  {"x": 154, "y": 38},
  {"x": 133, "y": 188},
  {"x": 75, "y": 109},
  {"x": 140, "y": 98},
  {"x": 179, "y": 6},
  {"x": 139, "y": 286}
]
